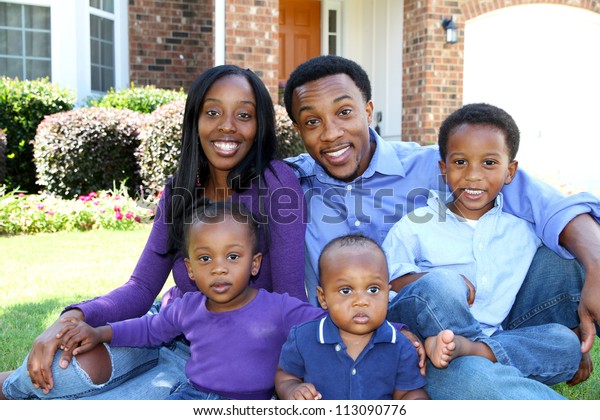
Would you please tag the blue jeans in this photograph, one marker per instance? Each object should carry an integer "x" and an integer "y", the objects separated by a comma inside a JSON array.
[
  {"x": 138, "y": 373},
  {"x": 540, "y": 322},
  {"x": 187, "y": 392}
]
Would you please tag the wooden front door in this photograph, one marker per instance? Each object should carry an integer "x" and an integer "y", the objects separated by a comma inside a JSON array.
[{"x": 299, "y": 34}]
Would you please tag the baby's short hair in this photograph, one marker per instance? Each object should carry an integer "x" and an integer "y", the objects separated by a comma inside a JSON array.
[{"x": 354, "y": 240}]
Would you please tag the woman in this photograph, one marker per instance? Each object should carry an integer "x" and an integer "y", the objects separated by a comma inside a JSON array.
[{"x": 227, "y": 153}]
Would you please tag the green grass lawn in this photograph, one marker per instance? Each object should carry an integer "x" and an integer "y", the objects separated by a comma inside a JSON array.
[{"x": 41, "y": 274}]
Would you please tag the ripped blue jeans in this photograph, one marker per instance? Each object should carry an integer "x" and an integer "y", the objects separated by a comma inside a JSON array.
[{"x": 138, "y": 373}]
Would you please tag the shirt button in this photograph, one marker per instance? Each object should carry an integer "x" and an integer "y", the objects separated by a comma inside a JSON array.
[
  {"x": 357, "y": 223},
  {"x": 354, "y": 371},
  {"x": 348, "y": 187},
  {"x": 338, "y": 347}
]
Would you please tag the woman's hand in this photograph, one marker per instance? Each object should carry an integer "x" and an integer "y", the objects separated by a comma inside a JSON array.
[{"x": 41, "y": 355}]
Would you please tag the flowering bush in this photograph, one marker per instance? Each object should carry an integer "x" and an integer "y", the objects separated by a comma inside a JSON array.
[
  {"x": 35, "y": 213},
  {"x": 87, "y": 149},
  {"x": 160, "y": 145},
  {"x": 290, "y": 143}
]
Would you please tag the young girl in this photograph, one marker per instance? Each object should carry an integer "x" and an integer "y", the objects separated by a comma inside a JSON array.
[
  {"x": 227, "y": 153},
  {"x": 235, "y": 331}
]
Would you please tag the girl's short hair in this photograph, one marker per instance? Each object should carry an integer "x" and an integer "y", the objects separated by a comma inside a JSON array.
[{"x": 217, "y": 212}]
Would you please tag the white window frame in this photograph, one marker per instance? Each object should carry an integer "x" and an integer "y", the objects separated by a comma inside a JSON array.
[
  {"x": 327, "y": 6},
  {"x": 24, "y": 57},
  {"x": 70, "y": 44}
]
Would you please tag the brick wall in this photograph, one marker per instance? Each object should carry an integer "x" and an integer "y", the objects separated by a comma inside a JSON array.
[
  {"x": 433, "y": 70},
  {"x": 252, "y": 38},
  {"x": 170, "y": 41}
]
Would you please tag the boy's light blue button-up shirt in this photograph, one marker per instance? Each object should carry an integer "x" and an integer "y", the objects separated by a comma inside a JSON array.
[
  {"x": 494, "y": 254},
  {"x": 397, "y": 181}
]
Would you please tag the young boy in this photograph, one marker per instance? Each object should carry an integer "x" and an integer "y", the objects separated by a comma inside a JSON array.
[
  {"x": 354, "y": 353},
  {"x": 235, "y": 331},
  {"x": 489, "y": 249}
]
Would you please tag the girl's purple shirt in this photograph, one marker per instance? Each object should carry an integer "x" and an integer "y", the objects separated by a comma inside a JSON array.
[{"x": 282, "y": 269}]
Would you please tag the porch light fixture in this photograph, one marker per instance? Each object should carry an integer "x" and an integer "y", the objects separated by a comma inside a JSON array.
[{"x": 451, "y": 30}]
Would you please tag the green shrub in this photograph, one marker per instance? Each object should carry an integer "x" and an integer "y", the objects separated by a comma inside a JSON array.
[
  {"x": 140, "y": 99},
  {"x": 2, "y": 156},
  {"x": 290, "y": 143},
  {"x": 160, "y": 146},
  {"x": 23, "y": 104},
  {"x": 110, "y": 210},
  {"x": 87, "y": 149}
]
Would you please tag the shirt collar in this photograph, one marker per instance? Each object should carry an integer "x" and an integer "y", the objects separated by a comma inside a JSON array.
[
  {"x": 328, "y": 333},
  {"x": 435, "y": 202},
  {"x": 384, "y": 160}
]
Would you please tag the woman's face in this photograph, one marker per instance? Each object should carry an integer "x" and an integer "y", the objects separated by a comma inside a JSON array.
[{"x": 227, "y": 122}]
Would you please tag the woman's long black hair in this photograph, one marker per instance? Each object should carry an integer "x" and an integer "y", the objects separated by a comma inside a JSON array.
[{"x": 193, "y": 163}]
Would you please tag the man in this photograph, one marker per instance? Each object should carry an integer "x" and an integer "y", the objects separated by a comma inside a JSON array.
[{"x": 355, "y": 182}]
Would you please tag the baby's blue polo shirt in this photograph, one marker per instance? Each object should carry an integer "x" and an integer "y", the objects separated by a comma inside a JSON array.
[{"x": 315, "y": 352}]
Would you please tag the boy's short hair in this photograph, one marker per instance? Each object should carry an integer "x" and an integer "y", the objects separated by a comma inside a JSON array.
[
  {"x": 480, "y": 114},
  {"x": 215, "y": 212},
  {"x": 325, "y": 65},
  {"x": 355, "y": 240}
]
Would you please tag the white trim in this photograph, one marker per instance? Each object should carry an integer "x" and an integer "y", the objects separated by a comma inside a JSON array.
[
  {"x": 321, "y": 334},
  {"x": 393, "y": 331},
  {"x": 326, "y": 6},
  {"x": 121, "y": 44},
  {"x": 219, "y": 28}
]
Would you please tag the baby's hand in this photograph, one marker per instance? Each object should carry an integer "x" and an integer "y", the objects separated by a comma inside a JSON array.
[
  {"x": 305, "y": 391},
  {"x": 78, "y": 335},
  {"x": 472, "y": 291}
]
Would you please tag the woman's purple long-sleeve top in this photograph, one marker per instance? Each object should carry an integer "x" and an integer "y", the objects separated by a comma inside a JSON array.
[{"x": 282, "y": 268}]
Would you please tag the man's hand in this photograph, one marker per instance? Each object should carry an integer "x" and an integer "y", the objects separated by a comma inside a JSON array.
[
  {"x": 419, "y": 347},
  {"x": 586, "y": 366},
  {"x": 581, "y": 236}
]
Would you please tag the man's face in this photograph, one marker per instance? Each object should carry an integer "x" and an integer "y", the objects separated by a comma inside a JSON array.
[{"x": 333, "y": 120}]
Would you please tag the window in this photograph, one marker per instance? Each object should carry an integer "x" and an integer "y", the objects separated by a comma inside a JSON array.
[
  {"x": 333, "y": 28},
  {"x": 25, "y": 41},
  {"x": 102, "y": 44}
]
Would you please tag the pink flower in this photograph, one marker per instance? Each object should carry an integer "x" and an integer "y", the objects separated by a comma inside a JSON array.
[
  {"x": 117, "y": 209},
  {"x": 40, "y": 206},
  {"x": 50, "y": 213},
  {"x": 95, "y": 202},
  {"x": 129, "y": 214},
  {"x": 119, "y": 216},
  {"x": 20, "y": 195},
  {"x": 137, "y": 219}
]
